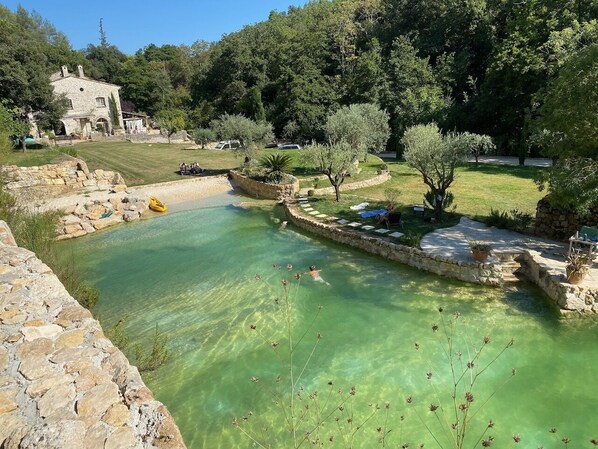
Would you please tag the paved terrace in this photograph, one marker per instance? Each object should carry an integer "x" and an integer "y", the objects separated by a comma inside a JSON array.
[{"x": 454, "y": 243}]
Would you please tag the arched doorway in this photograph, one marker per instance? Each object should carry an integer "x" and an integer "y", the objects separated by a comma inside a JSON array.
[
  {"x": 102, "y": 126},
  {"x": 60, "y": 130}
]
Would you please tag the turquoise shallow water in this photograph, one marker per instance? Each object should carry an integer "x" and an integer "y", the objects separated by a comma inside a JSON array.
[{"x": 193, "y": 273}]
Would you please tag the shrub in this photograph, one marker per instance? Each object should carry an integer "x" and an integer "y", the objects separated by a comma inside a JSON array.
[
  {"x": 157, "y": 356},
  {"x": 514, "y": 220},
  {"x": 412, "y": 238}
]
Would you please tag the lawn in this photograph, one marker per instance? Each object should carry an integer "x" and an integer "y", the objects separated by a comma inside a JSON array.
[{"x": 477, "y": 190}]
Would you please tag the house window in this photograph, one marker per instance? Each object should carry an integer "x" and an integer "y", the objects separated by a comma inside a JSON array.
[
  {"x": 70, "y": 104},
  {"x": 101, "y": 102}
]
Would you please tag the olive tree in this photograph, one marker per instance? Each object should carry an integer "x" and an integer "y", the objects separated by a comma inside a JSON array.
[
  {"x": 478, "y": 144},
  {"x": 336, "y": 161},
  {"x": 203, "y": 136},
  {"x": 435, "y": 157},
  {"x": 249, "y": 133},
  {"x": 362, "y": 126},
  {"x": 170, "y": 121}
]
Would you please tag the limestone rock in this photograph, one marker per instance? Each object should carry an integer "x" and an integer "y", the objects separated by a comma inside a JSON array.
[
  {"x": 55, "y": 434},
  {"x": 74, "y": 312},
  {"x": 97, "y": 400},
  {"x": 9, "y": 422},
  {"x": 119, "y": 188},
  {"x": 121, "y": 438},
  {"x": 41, "y": 386},
  {"x": 71, "y": 219},
  {"x": 117, "y": 415},
  {"x": 34, "y": 367},
  {"x": 3, "y": 359},
  {"x": 70, "y": 339},
  {"x": 12, "y": 316},
  {"x": 48, "y": 331},
  {"x": 7, "y": 401},
  {"x": 130, "y": 215},
  {"x": 108, "y": 221},
  {"x": 89, "y": 377},
  {"x": 57, "y": 402},
  {"x": 95, "y": 436}
]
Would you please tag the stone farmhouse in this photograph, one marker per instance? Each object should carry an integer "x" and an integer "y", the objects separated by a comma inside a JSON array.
[{"x": 91, "y": 104}]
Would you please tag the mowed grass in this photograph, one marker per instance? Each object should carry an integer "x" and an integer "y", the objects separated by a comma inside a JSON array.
[
  {"x": 477, "y": 190},
  {"x": 138, "y": 163}
]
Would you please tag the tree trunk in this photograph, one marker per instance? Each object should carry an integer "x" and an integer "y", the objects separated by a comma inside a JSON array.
[
  {"x": 337, "y": 192},
  {"x": 23, "y": 145}
]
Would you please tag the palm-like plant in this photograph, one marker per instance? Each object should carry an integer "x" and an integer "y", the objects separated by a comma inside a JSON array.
[{"x": 276, "y": 165}]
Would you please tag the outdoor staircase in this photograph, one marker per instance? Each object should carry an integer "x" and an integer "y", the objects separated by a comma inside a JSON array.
[{"x": 510, "y": 268}]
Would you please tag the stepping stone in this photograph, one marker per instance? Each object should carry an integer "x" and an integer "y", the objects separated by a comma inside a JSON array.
[
  {"x": 342, "y": 221},
  {"x": 355, "y": 224},
  {"x": 314, "y": 212},
  {"x": 396, "y": 234},
  {"x": 308, "y": 209},
  {"x": 333, "y": 218},
  {"x": 367, "y": 227},
  {"x": 321, "y": 216},
  {"x": 382, "y": 231},
  {"x": 305, "y": 205}
]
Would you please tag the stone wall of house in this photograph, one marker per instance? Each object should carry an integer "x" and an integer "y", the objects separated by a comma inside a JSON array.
[
  {"x": 378, "y": 179},
  {"x": 63, "y": 384},
  {"x": 91, "y": 103},
  {"x": 561, "y": 223},
  {"x": 259, "y": 189},
  {"x": 478, "y": 273},
  {"x": 53, "y": 180}
]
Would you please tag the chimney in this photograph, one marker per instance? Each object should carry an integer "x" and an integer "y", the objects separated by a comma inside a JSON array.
[
  {"x": 80, "y": 69},
  {"x": 64, "y": 71}
]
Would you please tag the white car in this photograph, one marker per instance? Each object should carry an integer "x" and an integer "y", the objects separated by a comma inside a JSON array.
[
  {"x": 290, "y": 146},
  {"x": 227, "y": 144}
]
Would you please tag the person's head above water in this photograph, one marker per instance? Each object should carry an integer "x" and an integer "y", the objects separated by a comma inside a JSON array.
[{"x": 312, "y": 268}]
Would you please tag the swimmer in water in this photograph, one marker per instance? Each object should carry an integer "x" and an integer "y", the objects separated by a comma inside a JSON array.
[{"x": 315, "y": 275}]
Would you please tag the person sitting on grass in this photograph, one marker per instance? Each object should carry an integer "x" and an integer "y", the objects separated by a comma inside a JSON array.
[{"x": 391, "y": 217}]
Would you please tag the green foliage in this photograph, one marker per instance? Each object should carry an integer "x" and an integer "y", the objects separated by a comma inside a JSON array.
[
  {"x": 117, "y": 334},
  {"x": 203, "y": 136},
  {"x": 571, "y": 182},
  {"x": 171, "y": 121},
  {"x": 568, "y": 120},
  {"x": 336, "y": 161},
  {"x": 276, "y": 166},
  {"x": 513, "y": 220},
  {"x": 114, "y": 112},
  {"x": 157, "y": 356},
  {"x": 251, "y": 135},
  {"x": 412, "y": 239}
]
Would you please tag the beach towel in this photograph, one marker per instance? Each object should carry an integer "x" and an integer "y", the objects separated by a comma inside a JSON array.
[
  {"x": 372, "y": 213},
  {"x": 360, "y": 206}
]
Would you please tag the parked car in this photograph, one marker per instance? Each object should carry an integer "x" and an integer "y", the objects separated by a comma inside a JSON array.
[
  {"x": 290, "y": 146},
  {"x": 227, "y": 144}
]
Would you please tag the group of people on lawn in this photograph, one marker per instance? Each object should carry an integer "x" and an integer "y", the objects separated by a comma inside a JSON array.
[{"x": 193, "y": 169}]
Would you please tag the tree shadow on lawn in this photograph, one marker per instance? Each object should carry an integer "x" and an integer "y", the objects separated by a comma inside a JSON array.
[{"x": 519, "y": 171}]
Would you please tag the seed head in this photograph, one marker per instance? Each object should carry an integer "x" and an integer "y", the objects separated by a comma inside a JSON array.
[
  {"x": 428, "y": 376},
  {"x": 486, "y": 340},
  {"x": 516, "y": 438},
  {"x": 434, "y": 327},
  {"x": 433, "y": 407}
]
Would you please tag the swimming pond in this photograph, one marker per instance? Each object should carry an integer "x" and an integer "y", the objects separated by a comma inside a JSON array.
[{"x": 194, "y": 274}]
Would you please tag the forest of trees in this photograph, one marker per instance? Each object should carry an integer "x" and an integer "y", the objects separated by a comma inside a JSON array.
[{"x": 506, "y": 68}]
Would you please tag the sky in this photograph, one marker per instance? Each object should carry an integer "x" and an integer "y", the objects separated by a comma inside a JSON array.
[{"x": 131, "y": 25}]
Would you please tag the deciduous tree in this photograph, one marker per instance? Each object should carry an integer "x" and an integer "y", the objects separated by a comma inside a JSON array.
[
  {"x": 170, "y": 121},
  {"x": 250, "y": 134}
]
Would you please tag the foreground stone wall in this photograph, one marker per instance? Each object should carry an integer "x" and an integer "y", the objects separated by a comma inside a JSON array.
[
  {"x": 485, "y": 274},
  {"x": 561, "y": 223},
  {"x": 63, "y": 384},
  {"x": 259, "y": 189},
  {"x": 29, "y": 184}
]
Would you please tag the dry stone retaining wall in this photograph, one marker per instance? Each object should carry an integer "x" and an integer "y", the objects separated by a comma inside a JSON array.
[
  {"x": 485, "y": 274},
  {"x": 561, "y": 223},
  {"x": 259, "y": 189},
  {"x": 63, "y": 384},
  {"x": 52, "y": 180}
]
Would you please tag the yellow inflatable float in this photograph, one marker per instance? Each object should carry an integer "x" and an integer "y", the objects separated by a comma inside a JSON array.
[{"x": 156, "y": 204}]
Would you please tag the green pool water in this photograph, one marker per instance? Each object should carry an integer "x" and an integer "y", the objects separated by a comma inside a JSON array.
[{"x": 194, "y": 273}]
